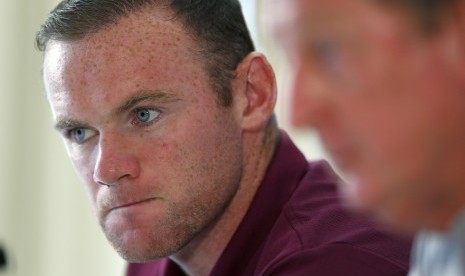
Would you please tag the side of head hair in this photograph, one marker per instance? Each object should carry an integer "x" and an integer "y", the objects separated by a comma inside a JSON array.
[{"x": 218, "y": 27}]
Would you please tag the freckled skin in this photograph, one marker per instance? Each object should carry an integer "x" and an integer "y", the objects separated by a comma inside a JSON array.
[
  {"x": 387, "y": 102},
  {"x": 189, "y": 162}
]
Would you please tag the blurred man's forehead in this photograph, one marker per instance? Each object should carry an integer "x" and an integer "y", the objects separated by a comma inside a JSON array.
[
  {"x": 293, "y": 16},
  {"x": 299, "y": 17}
]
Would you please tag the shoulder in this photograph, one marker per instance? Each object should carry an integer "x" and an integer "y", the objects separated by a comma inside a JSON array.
[
  {"x": 334, "y": 260},
  {"x": 316, "y": 234}
]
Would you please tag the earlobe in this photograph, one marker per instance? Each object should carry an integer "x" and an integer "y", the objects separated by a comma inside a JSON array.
[{"x": 259, "y": 91}]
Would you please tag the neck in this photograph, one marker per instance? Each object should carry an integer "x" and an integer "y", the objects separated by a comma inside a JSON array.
[{"x": 200, "y": 256}]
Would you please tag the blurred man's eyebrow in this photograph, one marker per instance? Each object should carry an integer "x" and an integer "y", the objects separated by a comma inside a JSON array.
[{"x": 145, "y": 96}]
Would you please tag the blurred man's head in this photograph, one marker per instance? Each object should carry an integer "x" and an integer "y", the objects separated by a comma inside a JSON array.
[{"x": 384, "y": 84}]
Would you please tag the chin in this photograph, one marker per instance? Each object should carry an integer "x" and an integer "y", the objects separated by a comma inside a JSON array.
[
  {"x": 140, "y": 252},
  {"x": 397, "y": 223},
  {"x": 138, "y": 246},
  {"x": 354, "y": 194},
  {"x": 360, "y": 196}
]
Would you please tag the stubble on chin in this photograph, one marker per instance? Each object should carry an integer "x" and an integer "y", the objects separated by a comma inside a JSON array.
[{"x": 152, "y": 240}]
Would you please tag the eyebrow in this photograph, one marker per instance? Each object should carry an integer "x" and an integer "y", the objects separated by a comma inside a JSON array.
[
  {"x": 69, "y": 124},
  {"x": 142, "y": 96},
  {"x": 145, "y": 96}
]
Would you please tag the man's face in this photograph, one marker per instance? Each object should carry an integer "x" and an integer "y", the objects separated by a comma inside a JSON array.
[
  {"x": 387, "y": 102},
  {"x": 160, "y": 158}
]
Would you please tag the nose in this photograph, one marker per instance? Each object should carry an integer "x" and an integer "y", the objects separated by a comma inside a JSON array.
[
  {"x": 115, "y": 161},
  {"x": 309, "y": 100}
]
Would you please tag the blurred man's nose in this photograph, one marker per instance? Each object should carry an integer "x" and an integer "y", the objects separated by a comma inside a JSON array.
[{"x": 309, "y": 104}]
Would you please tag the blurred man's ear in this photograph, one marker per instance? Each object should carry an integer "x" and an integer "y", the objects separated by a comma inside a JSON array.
[
  {"x": 255, "y": 90},
  {"x": 453, "y": 35}
]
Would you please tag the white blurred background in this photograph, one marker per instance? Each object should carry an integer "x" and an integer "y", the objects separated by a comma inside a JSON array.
[{"x": 46, "y": 223}]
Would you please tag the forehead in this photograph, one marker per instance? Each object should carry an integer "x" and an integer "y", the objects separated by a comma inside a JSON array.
[
  {"x": 286, "y": 12},
  {"x": 138, "y": 36},
  {"x": 358, "y": 23},
  {"x": 143, "y": 50},
  {"x": 150, "y": 51}
]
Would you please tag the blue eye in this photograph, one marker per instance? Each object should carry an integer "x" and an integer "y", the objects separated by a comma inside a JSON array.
[
  {"x": 326, "y": 51},
  {"x": 79, "y": 135},
  {"x": 146, "y": 115},
  {"x": 329, "y": 59}
]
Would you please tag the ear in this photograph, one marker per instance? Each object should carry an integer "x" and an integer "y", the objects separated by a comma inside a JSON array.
[
  {"x": 255, "y": 91},
  {"x": 453, "y": 33}
]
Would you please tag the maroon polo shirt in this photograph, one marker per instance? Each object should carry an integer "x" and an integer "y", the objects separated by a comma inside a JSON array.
[{"x": 297, "y": 226}]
